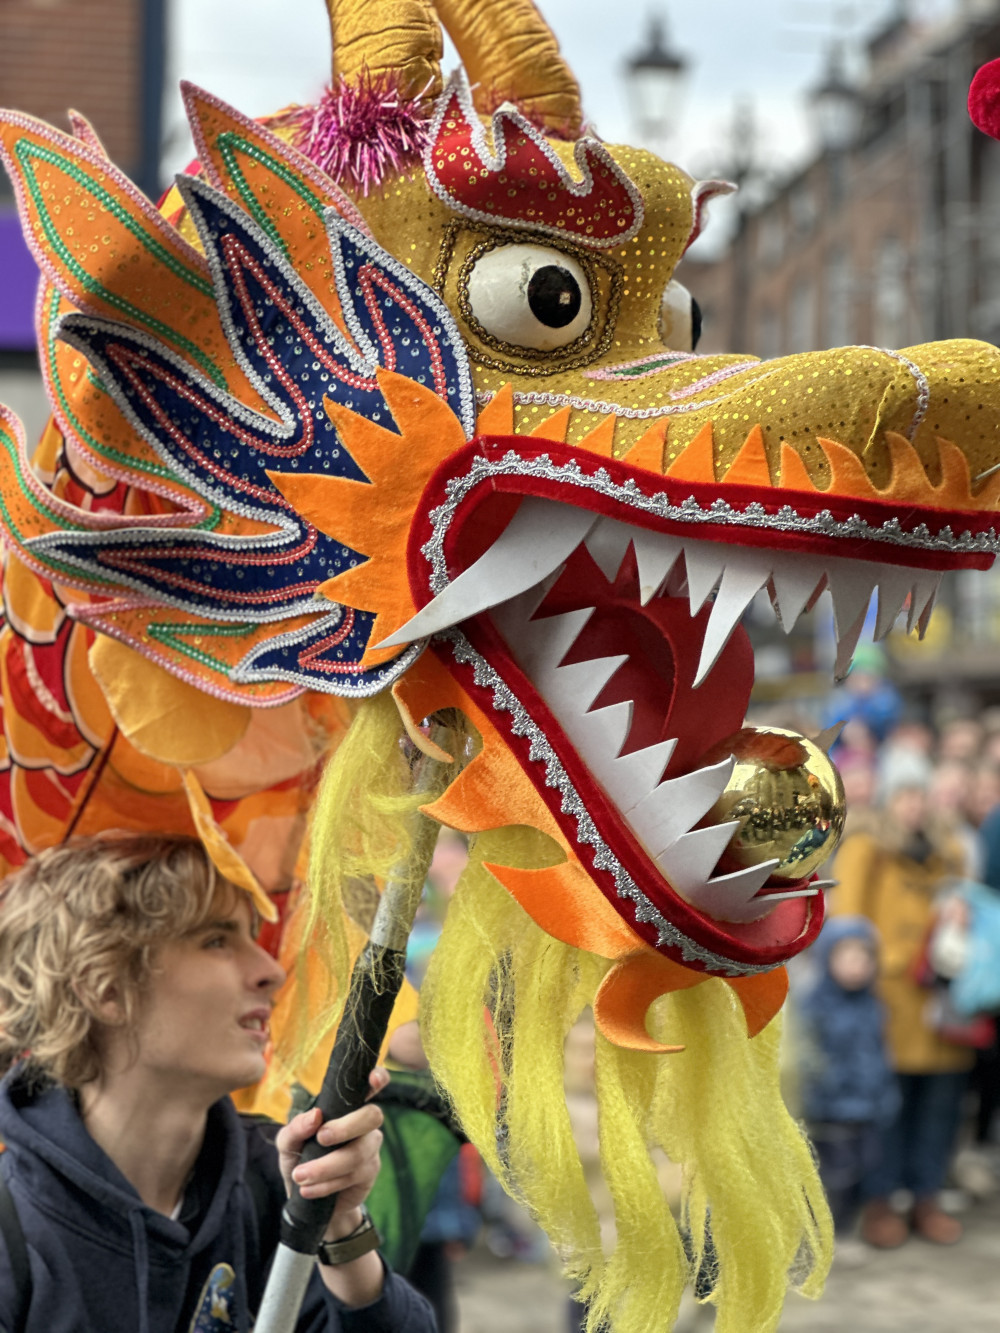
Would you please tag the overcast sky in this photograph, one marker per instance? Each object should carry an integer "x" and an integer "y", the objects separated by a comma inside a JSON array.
[{"x": 262, "y": 54}]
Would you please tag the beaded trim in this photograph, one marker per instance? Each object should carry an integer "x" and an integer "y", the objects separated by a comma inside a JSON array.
[
  {"x": 591, "y": 344},
  {"x": 718, "y": 513},
  {"x": 770, "y": 368},
  {"x": 541, "y": 751},
  {"x": 586, "y": 152},
  {"x": 305, "y": 644}
]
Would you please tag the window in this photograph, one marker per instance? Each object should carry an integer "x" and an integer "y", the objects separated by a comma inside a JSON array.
[
  {"x": 802, "y": 317},
  {"x": 890, "y": 297},
  {"x": 768, "y": 334},
  {"x": 839, "y": 311}
]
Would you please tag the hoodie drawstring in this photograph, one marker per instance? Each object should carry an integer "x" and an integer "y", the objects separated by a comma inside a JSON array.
[{"x": 140, "y": 1250}]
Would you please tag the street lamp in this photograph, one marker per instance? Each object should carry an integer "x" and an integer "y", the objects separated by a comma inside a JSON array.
[
  {"x": 836, "y": 105},
  {"x": 655, "y": 80}
]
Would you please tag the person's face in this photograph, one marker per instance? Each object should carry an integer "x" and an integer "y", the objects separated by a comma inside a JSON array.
[
  {"x": 203, "y": 1019},
  {"x": 852, "y": 964},
  {"x": 908, "y": 807}
]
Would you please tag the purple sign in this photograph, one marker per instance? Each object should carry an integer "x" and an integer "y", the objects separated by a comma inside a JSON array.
[{"x": 18, "y": 285}]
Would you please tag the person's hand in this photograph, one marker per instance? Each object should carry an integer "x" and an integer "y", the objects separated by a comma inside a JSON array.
[{"x": 348, "y": 1170}]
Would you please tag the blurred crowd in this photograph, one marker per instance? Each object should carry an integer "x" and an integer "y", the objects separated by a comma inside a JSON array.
[
  {"x": 893, "y": 1026},
  {"x": 892, "y": 1048}
]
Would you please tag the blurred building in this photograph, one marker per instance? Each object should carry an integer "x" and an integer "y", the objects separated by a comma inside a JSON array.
[
  {"x": 889, "y": 237},
  {"x": 103, "y": 58}
]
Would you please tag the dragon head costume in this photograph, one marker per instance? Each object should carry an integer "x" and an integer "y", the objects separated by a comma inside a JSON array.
[{"x": 391, "y": 409}]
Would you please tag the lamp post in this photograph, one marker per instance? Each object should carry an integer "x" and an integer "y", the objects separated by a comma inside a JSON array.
[
  {"x": 836, "y": 106},
  {"x": 655, "y": 79}
]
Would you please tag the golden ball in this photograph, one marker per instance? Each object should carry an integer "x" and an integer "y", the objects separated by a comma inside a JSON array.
[{"x": 787, "y": 796}]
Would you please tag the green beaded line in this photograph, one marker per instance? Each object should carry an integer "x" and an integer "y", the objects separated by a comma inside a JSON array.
[
  {"x": 167, "y": 635},
  {"x": 50, "y": 562},
  {"x": 210, "y": 523},
  {"x": 229, "y": 143},
  {"x": 25, "y": 151}
]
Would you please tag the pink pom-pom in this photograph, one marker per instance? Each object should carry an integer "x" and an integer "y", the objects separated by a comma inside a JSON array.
[
  {"x": 360, "y": 133},
  {"x": 984, "y": 99}
]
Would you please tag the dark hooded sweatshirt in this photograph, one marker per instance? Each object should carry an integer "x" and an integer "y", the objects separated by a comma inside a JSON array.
[{"x": 103, "y": 1262}]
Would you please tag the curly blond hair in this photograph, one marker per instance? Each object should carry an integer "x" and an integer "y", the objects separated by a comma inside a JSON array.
[{"x": 81, "y": 922}]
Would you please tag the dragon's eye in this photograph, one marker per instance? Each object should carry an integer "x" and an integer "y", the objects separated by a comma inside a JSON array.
[
  {"x": 680, "y": 318},
  {"x": 530, "y": 296}
]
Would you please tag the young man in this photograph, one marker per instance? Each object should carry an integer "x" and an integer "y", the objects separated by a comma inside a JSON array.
[{"x": 133, "y": 1000}]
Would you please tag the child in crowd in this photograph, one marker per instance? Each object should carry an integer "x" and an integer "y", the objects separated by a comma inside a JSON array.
[{"x": 849, "y": 1092}]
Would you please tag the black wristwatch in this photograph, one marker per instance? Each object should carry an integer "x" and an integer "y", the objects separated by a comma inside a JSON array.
[{"x": 364, "y": 1238}]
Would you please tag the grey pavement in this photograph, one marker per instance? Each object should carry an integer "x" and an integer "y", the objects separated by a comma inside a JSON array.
[{"x": 919, "y": 1288}]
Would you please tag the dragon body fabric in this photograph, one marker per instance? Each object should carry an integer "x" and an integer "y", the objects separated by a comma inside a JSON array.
[{"x": 330, "y": 456}]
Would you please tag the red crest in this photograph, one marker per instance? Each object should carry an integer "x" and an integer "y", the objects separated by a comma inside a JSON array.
[{"x": 521, "y": 182}]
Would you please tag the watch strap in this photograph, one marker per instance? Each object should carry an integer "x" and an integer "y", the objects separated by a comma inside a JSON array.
[{"x": 364, "y": 1238}]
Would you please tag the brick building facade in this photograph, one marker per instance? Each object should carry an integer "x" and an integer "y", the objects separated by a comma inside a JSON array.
[
  {"x": 894, "y": 241},
  {"x": 103, "y": 58}
]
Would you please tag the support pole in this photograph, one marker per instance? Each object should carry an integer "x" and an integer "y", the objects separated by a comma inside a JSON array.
[{"x": 375, "y": 982}]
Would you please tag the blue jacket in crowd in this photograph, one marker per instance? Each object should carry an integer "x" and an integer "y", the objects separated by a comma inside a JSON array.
[
  {"x": 846, "y": 1075},
  {"x": 103, "y": 1262}
]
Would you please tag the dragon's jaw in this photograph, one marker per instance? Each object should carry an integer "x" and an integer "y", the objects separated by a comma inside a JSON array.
[{"x": 613, "y": 657}]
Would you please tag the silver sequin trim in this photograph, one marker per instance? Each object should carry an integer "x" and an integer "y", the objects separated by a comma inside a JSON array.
[
  {"x": 541, "y": 751},
  {"x": 719, "y": 512}
]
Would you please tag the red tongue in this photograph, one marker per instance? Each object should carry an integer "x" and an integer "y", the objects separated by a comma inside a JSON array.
[{"x": 663, "y": 641}]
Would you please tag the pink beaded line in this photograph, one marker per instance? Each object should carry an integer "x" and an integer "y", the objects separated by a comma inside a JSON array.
[
  {"x": 94, "y": 617},
  {"x": 330, "y": 192},
  {"x": 234, "y": 250},
  {"x": 192, "y": 508},
  {"x": 102, "y": 520},
  {"x": 368, "y": 277},
  {"x": 306, "y": 659},
  {"x": 709, "y": 381},
  {"x": 656, "y": 359},
  {"x": 83, "y": 154},
  {"x": 458, "y": 88}
]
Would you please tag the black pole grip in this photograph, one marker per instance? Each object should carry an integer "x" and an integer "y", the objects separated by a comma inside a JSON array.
[{"x": 375, "y": 982}]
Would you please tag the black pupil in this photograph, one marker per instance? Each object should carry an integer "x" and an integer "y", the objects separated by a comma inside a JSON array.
[{"x": 554, "y": 296}]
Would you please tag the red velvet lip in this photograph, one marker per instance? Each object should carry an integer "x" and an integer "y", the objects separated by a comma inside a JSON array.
[
  {"x": 788, "y": 928},
  {"x": 663, "y": 641}
]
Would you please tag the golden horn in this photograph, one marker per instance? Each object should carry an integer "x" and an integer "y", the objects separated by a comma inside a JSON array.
[
  {"x": 399, "y": 39},
  {"x": 509, "y": 51}
]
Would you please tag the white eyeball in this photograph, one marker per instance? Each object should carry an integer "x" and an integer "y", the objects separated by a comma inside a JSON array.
[
  {"x": 680, "y": 318},
  {"x": 530, "y": 296}
]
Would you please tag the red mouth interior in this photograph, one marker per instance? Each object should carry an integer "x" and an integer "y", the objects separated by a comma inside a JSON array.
[{"x": 663, "y": 642}]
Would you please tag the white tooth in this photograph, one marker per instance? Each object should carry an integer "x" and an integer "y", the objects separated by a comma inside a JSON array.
[
  {"x": 851, "y": 584},
  {"x": 925, "y": 589},
  {"x": 570, "y": 690},
  {"x": 925, "y": 614},
  {"x": 795, "y": 578},
  {"x": 705, "y": 562},
  {"x": 511, "y": 616},
  {"x": 628, "y": 779},
  {"x": 810, "y": 891},
  {"x": 655, "y": 556},
  {"x": 540, "y": 645},
  {"x": 673, "y": 807},
  {"x": 607, "y": 543},
  {"x": 846, "y": 644},
  {"x": 741, "y": 582},
  {"x": 600, "y": 735},
  {"x": 732, "y": 897},
  {"x": 894, "y": 586},
  {"x": 689, "y": 863},
  {"x": 540, "y": 536}
]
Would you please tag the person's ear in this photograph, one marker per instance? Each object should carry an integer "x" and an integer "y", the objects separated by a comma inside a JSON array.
[{"x": 104, "y": 1005}]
